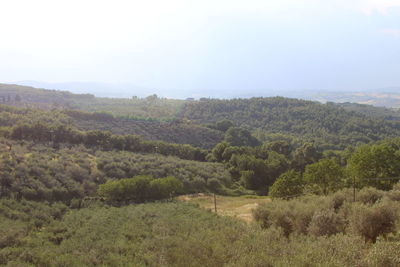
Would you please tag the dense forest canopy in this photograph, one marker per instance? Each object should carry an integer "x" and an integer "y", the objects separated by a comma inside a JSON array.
[{"x": 329, "y": 125}]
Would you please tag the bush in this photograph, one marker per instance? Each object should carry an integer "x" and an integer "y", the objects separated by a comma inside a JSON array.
[
  {"x": 325, "y": 222},
  {"x": 373, "y": 221},
  {"x": 140, "y": 189},
  {"x": 276, "y": 215},
  {"x": 165, "y": 187},
  {"x": 290, "y": 216},
  {"x": 337, "y": 200},
  {"x": 369, "y": 195},
  {"x": 288, "y": 185}
]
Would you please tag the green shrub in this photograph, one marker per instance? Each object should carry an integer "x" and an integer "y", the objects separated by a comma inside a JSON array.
[
  {"x": 325, "y": 222},
  {"x": 289, "y": 184},
  {"x": 373, "y": 221},
  {"x": 140, "y": 188},
  {"x": 336, "y": 200},
  {"x": 369, "y": 195},
  {"x": 290, "y": 216},
  {"x": 165, "y": 187}
]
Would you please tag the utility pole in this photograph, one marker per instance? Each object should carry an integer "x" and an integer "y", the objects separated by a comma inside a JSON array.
[
  {"x": 215, "y": 203},
  {"x": 354, "y": 188}
]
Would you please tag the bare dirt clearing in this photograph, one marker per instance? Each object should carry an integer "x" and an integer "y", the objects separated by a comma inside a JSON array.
[{"x": 239, "y": 207}]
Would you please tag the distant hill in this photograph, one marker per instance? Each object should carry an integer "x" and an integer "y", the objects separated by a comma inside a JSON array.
[
  {"x": 329, "y": 125},
  {"x": 385, "y": 97},
  {"x": 143, "y": 108},
  {"x": 113, "y": 90},
  {"x": 171, "y": 132},
  {"x": 180, "y": 121},
  {"x": 388, "y": 97}
]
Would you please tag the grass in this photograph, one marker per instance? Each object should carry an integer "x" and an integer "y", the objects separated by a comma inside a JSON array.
[{"x": 238, "y": 207}]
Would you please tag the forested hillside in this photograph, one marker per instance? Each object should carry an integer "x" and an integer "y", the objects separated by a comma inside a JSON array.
[
  {"x": 40, "y": 172},
  {"x": 328, "y": 125},
  {"x": 172, "y": 132},
  {"x": 142, "y": 108}
]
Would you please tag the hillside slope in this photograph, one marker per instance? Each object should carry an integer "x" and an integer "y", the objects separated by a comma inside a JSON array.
[
  {"x": 327, "y": 124},
  {"x": 149, "y": 107},
  {"x": 171, "y": 132}
]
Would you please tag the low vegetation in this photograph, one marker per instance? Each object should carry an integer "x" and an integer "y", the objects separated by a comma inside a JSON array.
[
  {"x": 43, "y": 173},
  {"x": 178, "y": 234},
  {"x": 375, "y": 213}
]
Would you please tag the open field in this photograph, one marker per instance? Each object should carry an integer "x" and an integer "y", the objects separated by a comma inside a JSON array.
[{"x": 238, "y": 207}]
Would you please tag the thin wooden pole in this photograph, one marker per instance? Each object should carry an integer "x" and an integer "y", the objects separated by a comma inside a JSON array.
[{"x": 215, "y": 203}]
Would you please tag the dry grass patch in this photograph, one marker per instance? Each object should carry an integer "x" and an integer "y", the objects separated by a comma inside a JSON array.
[{"x": 239, "y": 207}]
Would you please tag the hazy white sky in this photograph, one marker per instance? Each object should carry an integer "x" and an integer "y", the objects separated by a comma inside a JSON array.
[{"x": 209, "y": 44}]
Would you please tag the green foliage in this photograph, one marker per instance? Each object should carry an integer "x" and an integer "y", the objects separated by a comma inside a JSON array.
[
  {"x": 326, "y": 174},
  {"x": 149, "y": 107},
  {"x": 370, "y": 195},
  {"x": 253, "y": 171},
  {"x": 168, "y": 187},
  {"x": 102, "y": 140},
  {"x": 222, "y": 125},
  {"x": 178, "y": 132},
  {"x": 276, "y": 164},
  {"x": 371, "y": 222},
  {"x": 193, "y": 174},
  {"x": 329, "y": 125},
  {"x": 304, "y": 155},
  {"x": 289, "y": 184},
  {"x": 218, "y": 151},
  {"x": 240, "y": 137},
  {"x": 179, "y": 234},
  {"x": 18, "y": 218},
  {"x": 328, "y": 215},
  {"x": 40, "y": 173},
  {"x": 371, "y": 165},
  {"x": 140, "y": 188},
  {"x": 214, "y": 185},
  {"x": 325, "y": 222}
]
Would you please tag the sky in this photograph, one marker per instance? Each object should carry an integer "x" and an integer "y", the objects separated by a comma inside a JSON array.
[{"x": 199, "y": 47}]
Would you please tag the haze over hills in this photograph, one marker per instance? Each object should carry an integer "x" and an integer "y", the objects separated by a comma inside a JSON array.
[{"x": 121, "y": 90}]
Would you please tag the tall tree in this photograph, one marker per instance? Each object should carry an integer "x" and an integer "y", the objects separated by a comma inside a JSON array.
[
  {"x": 375, "y": 165},
  {"x": 326, "y": 174}
]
